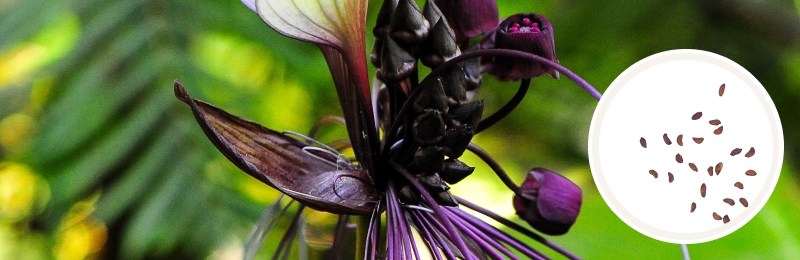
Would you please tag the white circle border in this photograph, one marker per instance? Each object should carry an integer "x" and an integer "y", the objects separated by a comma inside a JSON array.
[{"x": 641, "y": 66}]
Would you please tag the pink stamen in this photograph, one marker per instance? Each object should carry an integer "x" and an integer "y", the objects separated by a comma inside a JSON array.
[
  {"x": 515, "y": 25},
  {"x": 535, "y": 27},
  {"x": 526, "y": 21},
  {"x": 513, "y": 29}
]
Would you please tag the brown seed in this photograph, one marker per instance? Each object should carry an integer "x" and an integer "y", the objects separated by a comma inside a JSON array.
[
  {"x": 698, "y": 140},
  {"x": 654, "y": 173},
  {"x": 721, "y": 89},
  {"x": 694, "y": 167},
  {"x": 729, "y": 201},
  {"x": 714, "y": 122},
  {"x": 710, "y": 170},
  {"x": 671, "y": 178},
  {"x": 694, "y": 206},
  {"x": 718, "y": 168},
  {"x": 718, "y": 131},
  {"x": 726, "y": 219},
  {"x": 697, "y": 115},
  {"x": 743, "y": 201},
  {"x": 679, "y": 158},
  {"x": 750, "y": 153},
  {"x": 703, "y": 190},
  {"x": 750, "y": 173},
  {"x": 680, "y": 140},
  {"x": 738, "y": 185},
  {"x": 736, "y": 151},
  {"x": 716, "y": 216},
  {"x": 666, "y": 139},
  {"x": 643, "y": 142}
]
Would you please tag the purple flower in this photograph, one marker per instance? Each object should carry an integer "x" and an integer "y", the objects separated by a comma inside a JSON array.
[
  {"x": 548, "y": 201},
  {"x": 530, "y": 33}
]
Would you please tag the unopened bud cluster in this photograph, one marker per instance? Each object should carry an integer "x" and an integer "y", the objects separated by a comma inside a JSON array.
[{"x": 444, "y": 118}]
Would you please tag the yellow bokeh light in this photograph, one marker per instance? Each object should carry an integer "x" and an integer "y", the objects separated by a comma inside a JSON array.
[
  {"x": 21, "y": 192},
  {"x": 80, "y": 236}
]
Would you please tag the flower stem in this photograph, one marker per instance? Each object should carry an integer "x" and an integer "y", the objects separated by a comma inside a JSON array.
[
  {"x": 507, "y": 108},
  {"x": 518, "y": 54},
  {"x": 495, "y": 166}
]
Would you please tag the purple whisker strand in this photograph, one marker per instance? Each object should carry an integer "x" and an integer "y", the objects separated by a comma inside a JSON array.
[
  {"x": 406, "y": 240},
  {"x": 391, "y": 237},
  {"x": 499, "y": 234},
  {"x": 412, "y": 241},
  {"x": 451, "y": 230},
  {"x": 507, "y": 108},
  {"x": 516, "y": 227},
  {"x": 285, "y": 245},
  {"x": 495, "y": 166},
  {"x": 324, "y": 121},
  {"x": 339, "y": 234},
  {"x": 423, "y": 231},
  {"x": 484, "y": 242},
  {"x": 426, "y": 220},
  {"x": 267, "y": 222},
  {"x": 373, "y": 231}
]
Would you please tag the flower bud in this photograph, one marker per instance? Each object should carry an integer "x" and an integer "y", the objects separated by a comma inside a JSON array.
[
  {"x": 469, "y": 18},
  {"x": 430, "y": 158},
  {"x": 530, "y": 33},
  {"x": 549, "y": 202},
  {"x": 408, "y": 25},
  {"x": 440, "y": 45},
  {"x": 428, "y": 128},
  {"x": 455, "y": 171},
  {"x": 396, "y": 63}
]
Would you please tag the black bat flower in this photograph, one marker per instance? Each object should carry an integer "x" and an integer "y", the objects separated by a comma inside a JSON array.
[{"x": 426, "y": 126}]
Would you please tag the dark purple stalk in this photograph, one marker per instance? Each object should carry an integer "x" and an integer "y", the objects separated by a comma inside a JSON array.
[
  {"x": 517, "y": 54},
  {"x": 516, "y": 227},
  {"x": 507, "y": 108},
  {"x": 495, "y": 166},
  {"x": 499, "y": 234},
  {"x": 451, "y": 230}
]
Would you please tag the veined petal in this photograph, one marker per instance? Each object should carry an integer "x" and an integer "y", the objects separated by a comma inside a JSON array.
[
  {"x": 280, "y": 161},
  {"x": 334, "y": 25}
]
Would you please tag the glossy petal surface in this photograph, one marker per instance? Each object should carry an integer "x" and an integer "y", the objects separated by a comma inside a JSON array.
[{"x": 280, "y": 161}]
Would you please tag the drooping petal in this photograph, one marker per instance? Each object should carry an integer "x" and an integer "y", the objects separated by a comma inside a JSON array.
[{"x": 280, "y": 161}]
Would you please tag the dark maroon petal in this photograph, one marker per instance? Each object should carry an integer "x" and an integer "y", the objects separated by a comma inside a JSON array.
[
  {"x": 279, "y": 161},
  {"x": 548, "y": 201},
  {"x": 469, "y": 18}
]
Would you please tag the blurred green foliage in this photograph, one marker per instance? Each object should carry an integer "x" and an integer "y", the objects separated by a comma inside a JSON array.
[{"x": 99, "y": 160}]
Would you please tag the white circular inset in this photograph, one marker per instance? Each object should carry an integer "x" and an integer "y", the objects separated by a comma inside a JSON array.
[{"x": 650, "y": 163}]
